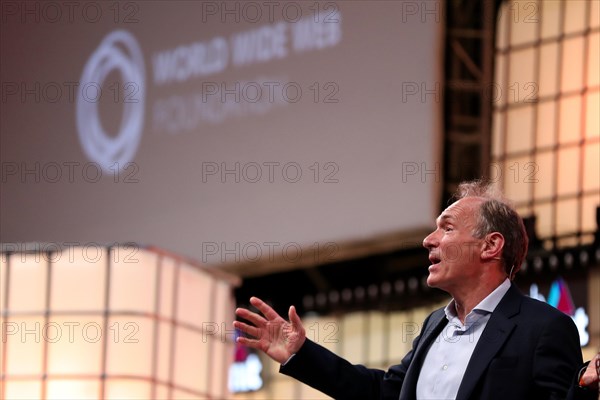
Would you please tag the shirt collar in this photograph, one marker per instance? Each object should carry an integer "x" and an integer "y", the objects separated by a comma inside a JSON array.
[{"x": 487, "y": 305}]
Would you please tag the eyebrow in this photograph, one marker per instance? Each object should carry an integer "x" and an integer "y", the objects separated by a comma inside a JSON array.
[{"x": 444, "y": 218}]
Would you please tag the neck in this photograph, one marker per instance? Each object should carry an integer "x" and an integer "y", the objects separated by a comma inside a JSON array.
[{"x": 466, "y": 298}]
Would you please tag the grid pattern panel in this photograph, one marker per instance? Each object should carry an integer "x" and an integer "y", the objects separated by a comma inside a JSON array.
[
  {"x": 112, "y": 324},
  {"x": 546, "y": 109}
]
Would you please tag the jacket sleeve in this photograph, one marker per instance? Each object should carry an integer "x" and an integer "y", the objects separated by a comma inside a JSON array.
[
  {"x": 557, "y": 358},
  {"x": 325, "y": 371},
  {"x": 318, "y": 367}
]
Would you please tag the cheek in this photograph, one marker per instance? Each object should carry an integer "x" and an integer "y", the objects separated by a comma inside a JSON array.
[{"x": 452, "y": 253}]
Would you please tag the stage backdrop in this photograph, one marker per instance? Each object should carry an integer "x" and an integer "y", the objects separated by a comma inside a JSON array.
[{"x": 245, "y": 133}]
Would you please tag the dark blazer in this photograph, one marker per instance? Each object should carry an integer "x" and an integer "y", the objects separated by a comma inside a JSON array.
[{"x": 528, "y": 350}]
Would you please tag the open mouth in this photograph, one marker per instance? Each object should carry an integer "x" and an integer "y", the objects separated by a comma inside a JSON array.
[{"x": 434, "y": 259}]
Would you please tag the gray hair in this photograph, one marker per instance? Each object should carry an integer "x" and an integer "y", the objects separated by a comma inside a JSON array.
[{"x": 497, "y": 214}]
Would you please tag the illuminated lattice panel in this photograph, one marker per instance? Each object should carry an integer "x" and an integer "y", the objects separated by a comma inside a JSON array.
[
  {"x": 120, "y": 322},
  {"x": 546, "y": 96}
]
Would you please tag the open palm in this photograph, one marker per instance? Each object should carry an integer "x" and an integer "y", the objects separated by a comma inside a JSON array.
[{"x": 278, "y": 338}]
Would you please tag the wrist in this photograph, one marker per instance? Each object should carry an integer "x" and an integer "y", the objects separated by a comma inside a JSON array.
[
  {"x": 580, "y": 380},
  {"x": 288, "y": 360}
]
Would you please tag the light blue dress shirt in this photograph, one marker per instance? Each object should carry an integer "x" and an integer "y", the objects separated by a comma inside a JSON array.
[{"x": 448, "y": 356}]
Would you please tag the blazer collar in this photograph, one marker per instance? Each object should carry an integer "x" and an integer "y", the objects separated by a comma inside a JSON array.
[
  {"x": 431, "y": 330},
  {"x": 494, "y": 335}
]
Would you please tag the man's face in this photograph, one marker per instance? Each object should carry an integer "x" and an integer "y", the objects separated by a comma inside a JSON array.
[{"x": 453, "y": 251}]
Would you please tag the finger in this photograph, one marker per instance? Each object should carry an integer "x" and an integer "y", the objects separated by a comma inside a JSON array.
[
  {"x": 264, "y": 308},
  {"x": 250, "y": 316},
  {"x": 254, "y": 343},
  {"x": 250, "y": 330},
  {"x": 294, "y": 318}
]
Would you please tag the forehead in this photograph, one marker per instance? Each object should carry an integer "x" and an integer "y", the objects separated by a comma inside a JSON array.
[{"x": 463, "y": 210}]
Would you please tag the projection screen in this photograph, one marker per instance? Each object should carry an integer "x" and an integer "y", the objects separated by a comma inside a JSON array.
[{"x": 264, "y": 134}]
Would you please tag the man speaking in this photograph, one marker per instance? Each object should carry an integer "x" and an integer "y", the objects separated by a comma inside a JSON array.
[{"x": 490, "y": 342}]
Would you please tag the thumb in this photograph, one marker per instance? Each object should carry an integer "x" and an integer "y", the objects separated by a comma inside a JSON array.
[
  {"x": 299, "y": 334},
  {"x": 294, "y": 318}
]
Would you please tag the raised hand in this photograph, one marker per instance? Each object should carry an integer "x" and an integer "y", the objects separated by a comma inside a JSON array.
[
  {"x": 278, "y": 338},
  {"x": 591, "y": 376}
]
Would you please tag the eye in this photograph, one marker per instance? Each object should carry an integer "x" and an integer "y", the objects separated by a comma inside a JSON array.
[{"x": 448, "y": 228}]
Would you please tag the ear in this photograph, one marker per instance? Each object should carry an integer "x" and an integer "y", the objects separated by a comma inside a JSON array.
[{"x": 492, "y": 246}]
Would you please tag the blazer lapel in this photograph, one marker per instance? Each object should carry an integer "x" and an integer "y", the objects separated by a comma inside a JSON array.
[
  {"x": 494, "y": 335},
  {"x": 431, "y": 330}
]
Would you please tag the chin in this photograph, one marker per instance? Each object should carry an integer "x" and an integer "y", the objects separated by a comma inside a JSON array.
[
  {"x": 431, "y": 282},
  {"x": 436, "y": 282}
]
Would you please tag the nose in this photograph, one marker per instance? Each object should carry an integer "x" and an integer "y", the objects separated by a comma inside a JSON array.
[{"x": 431, "y": 240}]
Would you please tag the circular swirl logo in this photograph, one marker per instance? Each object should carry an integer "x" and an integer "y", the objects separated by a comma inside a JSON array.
[{"x": 118, "y": 51}]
